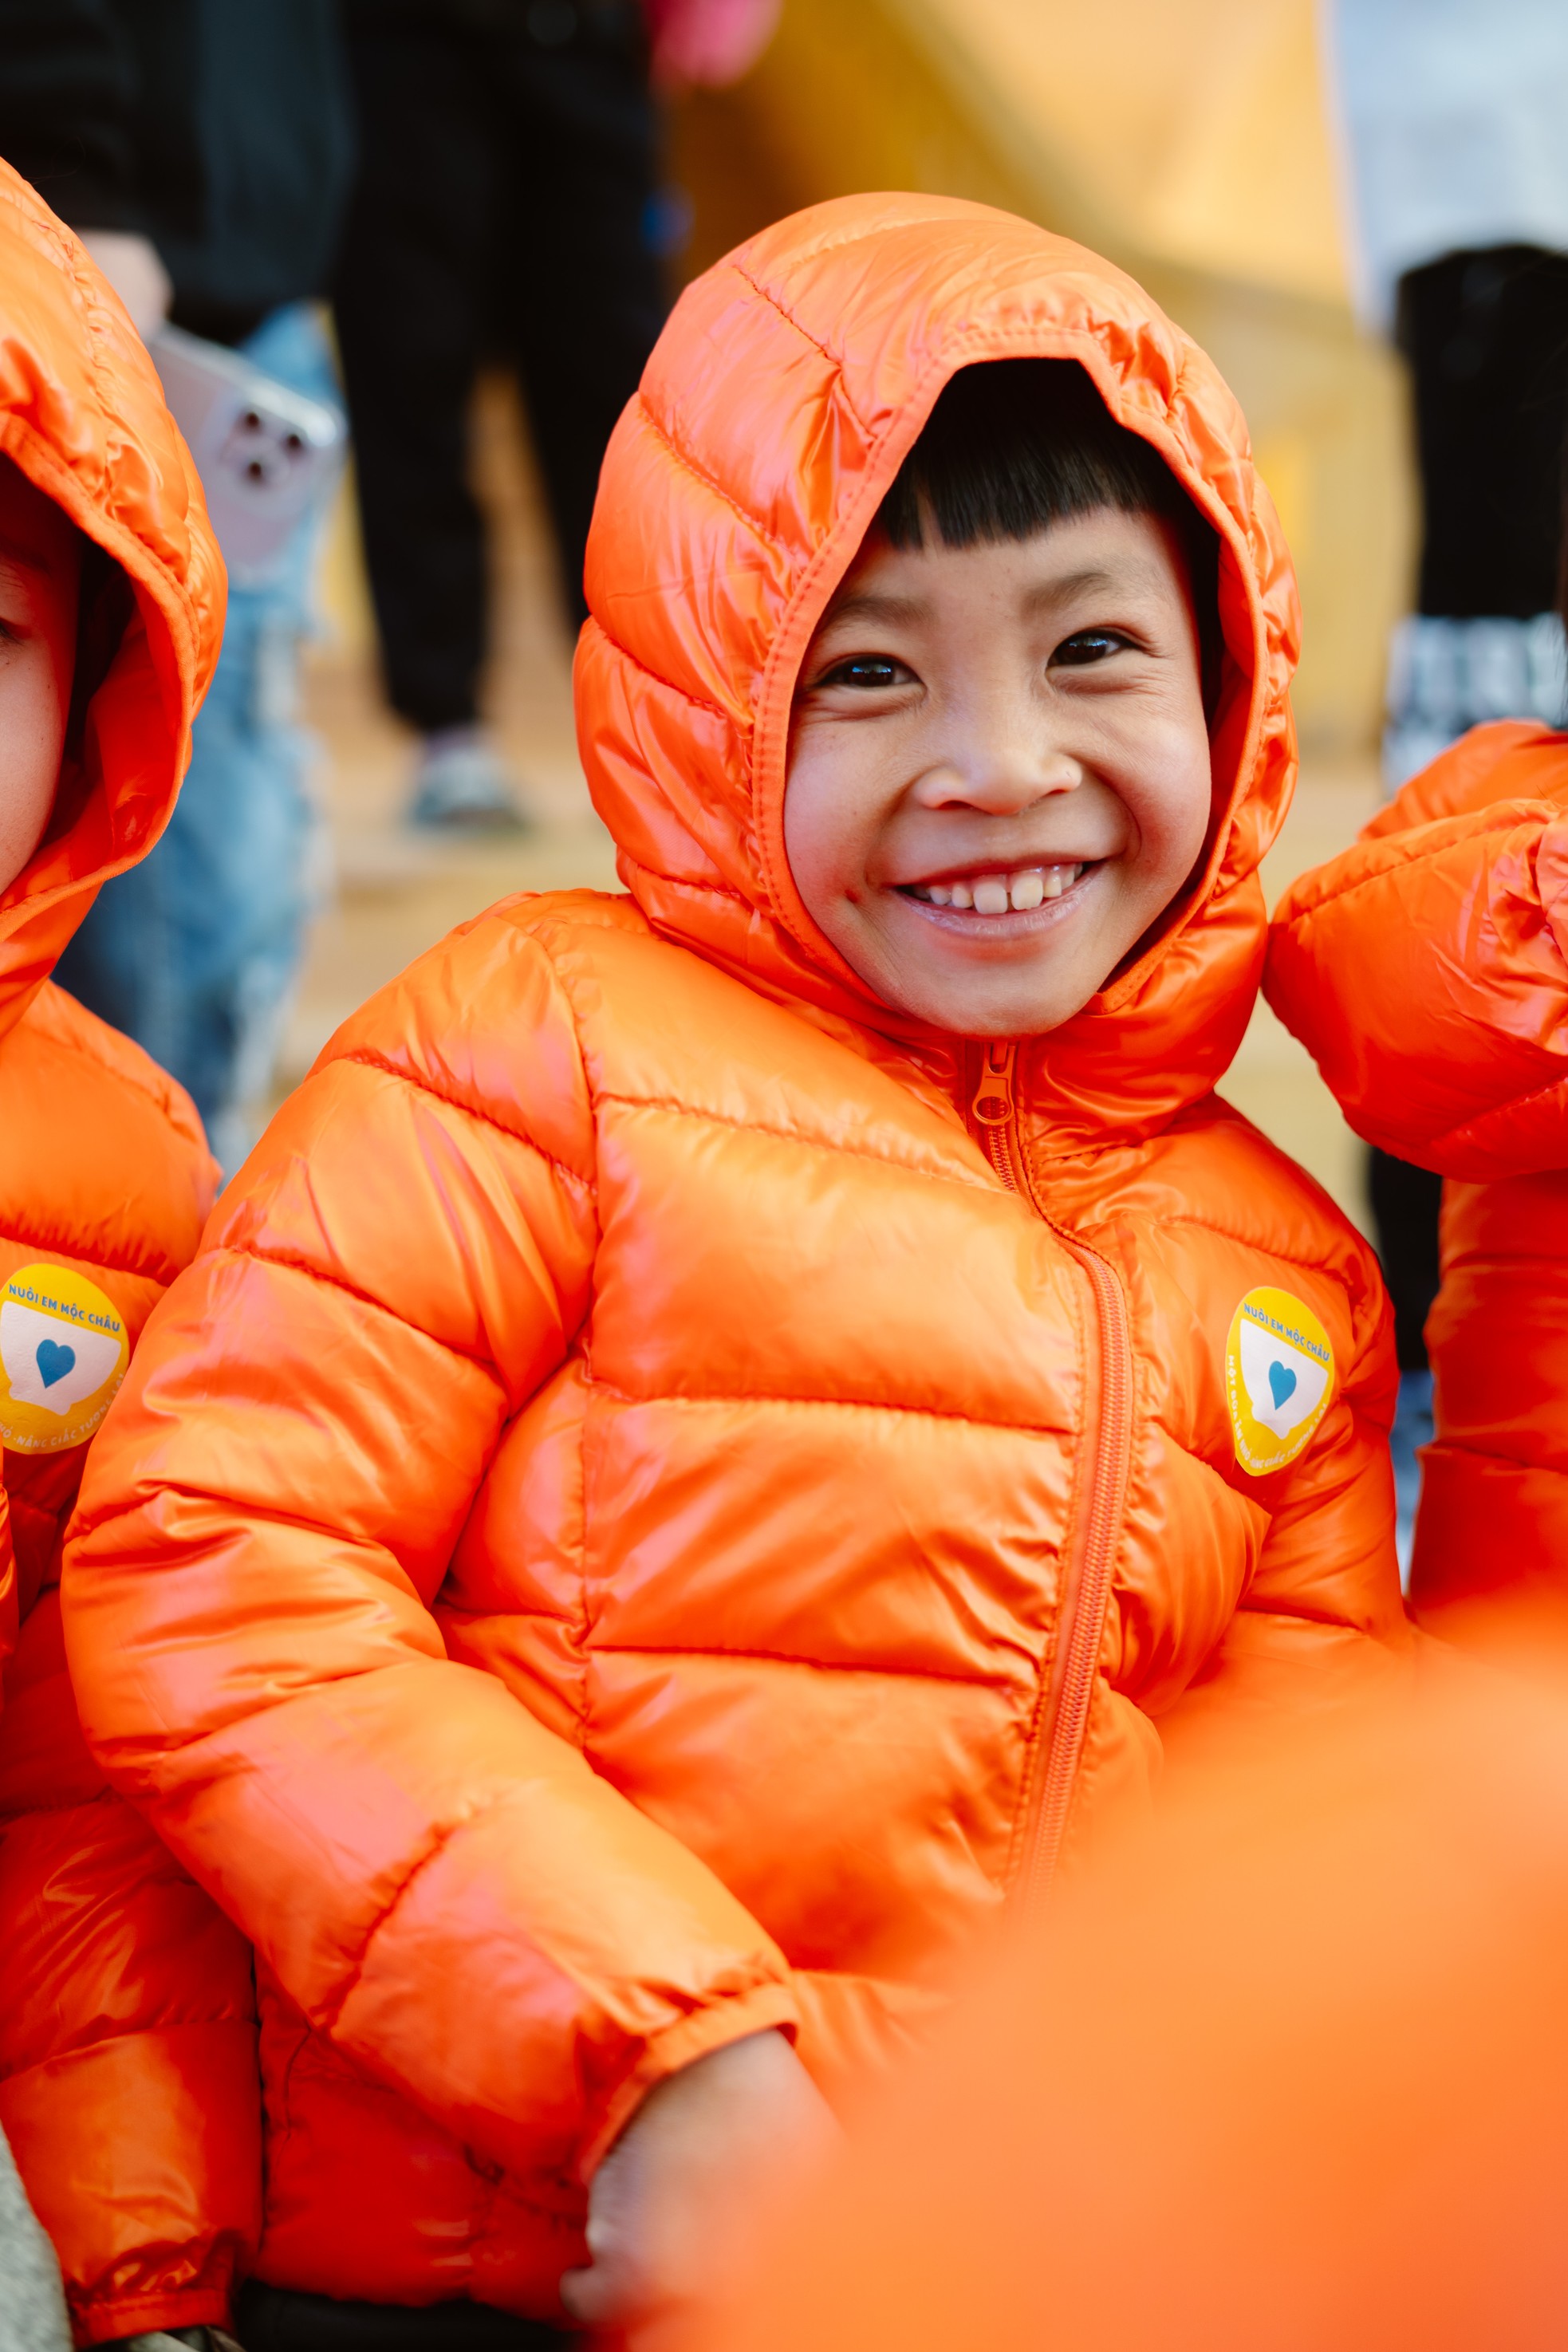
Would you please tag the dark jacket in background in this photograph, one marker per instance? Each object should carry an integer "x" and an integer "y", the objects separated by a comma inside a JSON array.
[{"x": 220, "y": 128}]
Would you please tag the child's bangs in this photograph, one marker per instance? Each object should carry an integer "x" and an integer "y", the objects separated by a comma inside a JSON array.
[
  {"x": 106, "y": 601},
  {"x": 1013, "y": 447}
]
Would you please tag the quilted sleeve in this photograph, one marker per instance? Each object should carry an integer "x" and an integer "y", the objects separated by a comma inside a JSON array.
[
  {"x": 1424, "y": 969},
  {"x": 128, "y": 2077},
  {"x": 1323, "y": 1619},
  {"x": 443, "y": 1884}
]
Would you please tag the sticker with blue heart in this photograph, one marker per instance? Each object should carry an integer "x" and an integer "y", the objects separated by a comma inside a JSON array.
[
  {"x": 1278, "y": 1378},
  {"x": 63, "y": 1352}
]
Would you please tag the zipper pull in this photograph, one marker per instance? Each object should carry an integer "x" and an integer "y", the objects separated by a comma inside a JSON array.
[{"x": 992, "y": 1104}]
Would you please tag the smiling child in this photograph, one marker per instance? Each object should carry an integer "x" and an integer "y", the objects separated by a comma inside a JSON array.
[
  {"x": 128, "y": 2088},
  {"x": 727, "y": 1430}
]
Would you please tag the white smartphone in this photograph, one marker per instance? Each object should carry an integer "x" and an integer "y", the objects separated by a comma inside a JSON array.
[{"x": 267, "y": 457}]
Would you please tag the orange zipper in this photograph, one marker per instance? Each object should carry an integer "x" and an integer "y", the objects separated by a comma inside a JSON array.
[
  {"x": 994, "y": 1110},
  {"x": 1088, "y": 1588}
]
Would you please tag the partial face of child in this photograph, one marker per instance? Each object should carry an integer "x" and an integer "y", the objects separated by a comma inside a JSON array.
[
  {"x": 40, "y": 570},
  {"x": 999, "y": 767}
]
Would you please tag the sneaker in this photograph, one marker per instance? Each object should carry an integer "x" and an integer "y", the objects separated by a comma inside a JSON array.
[{"x": 463, "y": 784}]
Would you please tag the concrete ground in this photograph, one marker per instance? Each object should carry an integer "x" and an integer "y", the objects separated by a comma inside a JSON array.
[{"x": 398, "y": 891}]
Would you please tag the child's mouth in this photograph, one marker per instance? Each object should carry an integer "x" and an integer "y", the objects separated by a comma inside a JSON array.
[{"x": 1018, "y": 891}]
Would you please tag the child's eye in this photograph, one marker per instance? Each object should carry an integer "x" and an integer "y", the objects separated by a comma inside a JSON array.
[
  {"x": 1089, "y": 646},
  {"x": 867, "y": 671}
]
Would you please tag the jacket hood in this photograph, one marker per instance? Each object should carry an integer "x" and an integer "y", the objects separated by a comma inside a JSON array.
[
  {"x": 784, "y": 395},
  {"x": 83, "y": 416}
]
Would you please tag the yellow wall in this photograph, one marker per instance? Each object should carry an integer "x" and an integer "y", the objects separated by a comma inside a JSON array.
[{"x": 1186, "y": 139}]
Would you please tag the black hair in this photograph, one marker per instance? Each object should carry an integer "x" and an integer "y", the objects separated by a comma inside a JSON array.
[
  {"x": 1013, "y": 446},
  {"x": 105, "y": 602}
]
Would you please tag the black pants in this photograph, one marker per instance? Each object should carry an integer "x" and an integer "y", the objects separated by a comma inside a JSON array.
[
  {"x": 1486, "y": 335},
  {"x": 505, "y": 209},
  {"x": 274, "y": 2319}
]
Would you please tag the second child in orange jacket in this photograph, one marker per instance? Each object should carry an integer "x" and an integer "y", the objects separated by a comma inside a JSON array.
[
  {"x": 724, "y": 1428},
  {"x": 128, "y": 2084},
  {"x": 1427, "y": 971}
]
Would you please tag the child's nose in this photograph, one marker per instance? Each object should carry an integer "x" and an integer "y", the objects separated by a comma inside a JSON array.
[{"x": 1002, "y": 783}]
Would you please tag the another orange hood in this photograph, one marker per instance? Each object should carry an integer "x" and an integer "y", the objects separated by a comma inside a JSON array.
[
  {"x": 82, "y": 413},
  {"x": 780, "y": 401}
]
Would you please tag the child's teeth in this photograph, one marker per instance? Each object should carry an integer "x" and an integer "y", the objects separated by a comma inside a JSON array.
[{"x": 995, "y": 894}]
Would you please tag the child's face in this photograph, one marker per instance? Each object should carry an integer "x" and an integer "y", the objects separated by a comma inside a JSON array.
[
  {"x": 40, "y": 568},
  {"x": 999, "y": 767}
]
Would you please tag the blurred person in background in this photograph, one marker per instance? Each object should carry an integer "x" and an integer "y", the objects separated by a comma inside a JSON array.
[
  {"x": 508, "y": 203},
  {"x": 1452, "y": 119},
  {"x": 204, "y": 150}
]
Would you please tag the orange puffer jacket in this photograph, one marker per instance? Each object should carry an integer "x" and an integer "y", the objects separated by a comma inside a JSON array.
[
  {"x": 127, "y": 2040},
  {"x": 1427, "y": 970},
  {"x": 672, "y": 1495}
]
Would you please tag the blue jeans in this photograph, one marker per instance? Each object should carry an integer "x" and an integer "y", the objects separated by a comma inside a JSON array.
[{"x": 194, "y": 952}]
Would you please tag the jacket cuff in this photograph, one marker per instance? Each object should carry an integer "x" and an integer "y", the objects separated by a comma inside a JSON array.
[
  {"x": 147, "y": 2314},
  {"x": 767, "y": 2007}
]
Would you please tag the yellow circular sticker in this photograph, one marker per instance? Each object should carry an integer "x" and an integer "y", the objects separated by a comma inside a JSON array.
[
  {"x": 1278, "y": 1379},
  {"x": 63, "y": 1353}
]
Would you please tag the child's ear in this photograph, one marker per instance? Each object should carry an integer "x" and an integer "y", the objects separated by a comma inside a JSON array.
[{"x": 104, "y": 606}]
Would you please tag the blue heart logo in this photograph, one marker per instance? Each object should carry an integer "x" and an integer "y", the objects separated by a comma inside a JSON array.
[
  {"x": 55, "y": 1361},
  {"x": 1281, "y": 1381}
]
